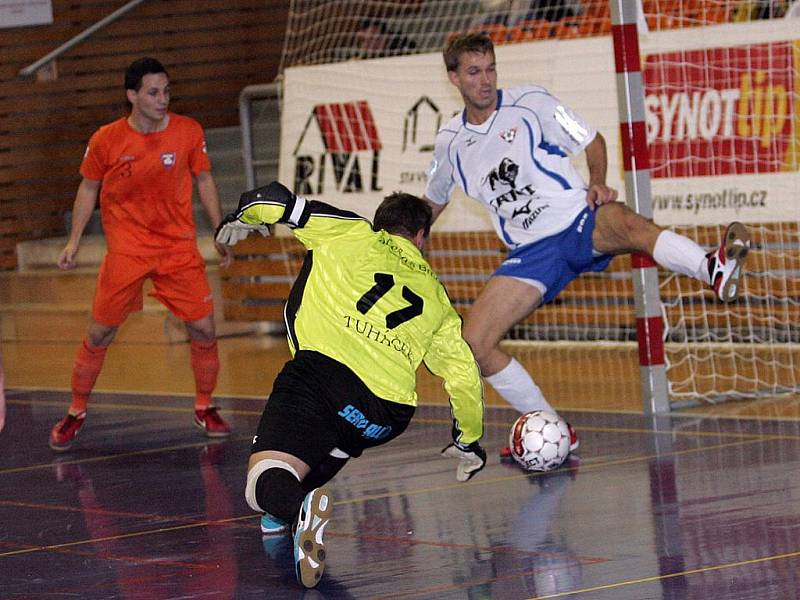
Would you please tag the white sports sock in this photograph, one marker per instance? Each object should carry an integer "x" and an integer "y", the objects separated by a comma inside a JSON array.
[
  {"x": 681, "y": 255},
  {"x": 517, "y": 388}
]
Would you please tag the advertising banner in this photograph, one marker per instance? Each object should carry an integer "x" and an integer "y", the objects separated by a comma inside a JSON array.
[{"x": 723, "y": 123}]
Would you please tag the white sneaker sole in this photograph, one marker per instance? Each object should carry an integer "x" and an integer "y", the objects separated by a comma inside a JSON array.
[
  {"x": 309, "y": 549},
  {"x": 737, "y": 247}
]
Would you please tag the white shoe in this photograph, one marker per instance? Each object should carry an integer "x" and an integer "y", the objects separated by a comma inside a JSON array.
[
  {"x": 309, "y": 549},
  {"x": 726, "y": 263}
]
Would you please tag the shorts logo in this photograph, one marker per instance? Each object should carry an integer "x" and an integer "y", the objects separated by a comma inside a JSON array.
[
  {"x": 512, "y": 261},
  {"x": 582, "y": 223},
  {"x": 371, "y": 431},
  {"x": 168, "y": 159}
]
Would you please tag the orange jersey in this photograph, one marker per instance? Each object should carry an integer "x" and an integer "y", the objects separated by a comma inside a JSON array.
[{"x": 146, "y": 191}]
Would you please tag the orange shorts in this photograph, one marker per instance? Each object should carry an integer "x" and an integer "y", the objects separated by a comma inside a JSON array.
[{"x": 179, "y": 282}]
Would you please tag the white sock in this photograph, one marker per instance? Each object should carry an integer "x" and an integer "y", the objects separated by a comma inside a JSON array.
[
  {"x": 517, "y": 388},
  {"x": 681, "y": 255}
]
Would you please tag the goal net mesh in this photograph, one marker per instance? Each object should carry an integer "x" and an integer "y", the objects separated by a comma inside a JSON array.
[
  {"x": 326, "y": 31},
  {"x": 723, "y": 124}
]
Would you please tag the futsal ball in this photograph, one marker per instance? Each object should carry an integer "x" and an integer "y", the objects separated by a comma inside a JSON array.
[{"x": 539, "y": 441}]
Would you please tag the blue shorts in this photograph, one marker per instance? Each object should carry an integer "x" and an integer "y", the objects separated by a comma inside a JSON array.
[{"x": 551, "y": 263}]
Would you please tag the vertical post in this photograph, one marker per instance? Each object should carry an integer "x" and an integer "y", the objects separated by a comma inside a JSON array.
[
  {"x": 246, "y": 129},
  {"x": 633, "y": 135}
]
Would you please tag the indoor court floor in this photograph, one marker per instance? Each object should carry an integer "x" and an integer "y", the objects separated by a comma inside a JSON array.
[{"x": 144, "y": 507}]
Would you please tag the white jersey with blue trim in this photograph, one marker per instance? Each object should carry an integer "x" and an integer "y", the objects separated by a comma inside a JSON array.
[{"x": 516, "y": 163}]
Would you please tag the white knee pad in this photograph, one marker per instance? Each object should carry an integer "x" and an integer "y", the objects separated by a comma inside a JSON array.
[{"x": 255, "y": 472}]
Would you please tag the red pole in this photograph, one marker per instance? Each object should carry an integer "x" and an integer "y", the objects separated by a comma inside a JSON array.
[{"x": 633, "y": 136}]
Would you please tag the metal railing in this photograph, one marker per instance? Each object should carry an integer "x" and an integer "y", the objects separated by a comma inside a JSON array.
[
  {"x": 247, "y": 97},
  {"x": 51, "y": 56}
]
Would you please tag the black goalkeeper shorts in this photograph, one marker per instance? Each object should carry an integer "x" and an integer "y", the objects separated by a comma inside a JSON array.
[{"x": 318, "y": 404}]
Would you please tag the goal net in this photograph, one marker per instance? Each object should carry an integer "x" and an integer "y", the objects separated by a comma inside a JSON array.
[{"x": 722, "y": 102}]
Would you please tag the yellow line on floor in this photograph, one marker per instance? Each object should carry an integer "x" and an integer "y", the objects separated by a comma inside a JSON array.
[
  {"x": 611, "y": 586},
  {"x": 95, "y": 459},
  {"x": 453, "y": 485}
]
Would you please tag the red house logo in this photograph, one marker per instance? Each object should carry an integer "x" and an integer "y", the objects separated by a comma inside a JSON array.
[{"x": 338, "y": 146}]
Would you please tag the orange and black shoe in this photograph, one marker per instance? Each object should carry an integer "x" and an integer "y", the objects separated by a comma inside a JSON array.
[
  {"x": 574, "y": 442},
  {"x": 63, "y": 433},
  {"x": 211, "y": 422}
]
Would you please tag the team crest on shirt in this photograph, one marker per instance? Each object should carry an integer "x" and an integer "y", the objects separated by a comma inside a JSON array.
[
  {"x": 168, "y": 159},
  {"x": 508, "y": 135}
]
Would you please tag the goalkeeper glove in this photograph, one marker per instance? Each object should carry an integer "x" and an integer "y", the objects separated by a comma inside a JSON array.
[
  {"x": 471, "y": 459},
  {"x": 232, "y": 230}
]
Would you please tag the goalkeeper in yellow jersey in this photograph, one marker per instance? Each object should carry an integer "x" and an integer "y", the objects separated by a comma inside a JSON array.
[{"x": 365, "y": 310}]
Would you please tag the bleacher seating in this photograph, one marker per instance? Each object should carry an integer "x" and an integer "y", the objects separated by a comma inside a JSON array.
[
  {"x": 257, "y": 284},
  {"x": 595, "y": 19}
]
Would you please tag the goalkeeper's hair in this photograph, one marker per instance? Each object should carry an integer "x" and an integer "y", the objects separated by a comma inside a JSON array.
[
  {"x": 403, "y": 214},
  {"x": 138, "y": 69},
  {"x": 465, "y": 42}
]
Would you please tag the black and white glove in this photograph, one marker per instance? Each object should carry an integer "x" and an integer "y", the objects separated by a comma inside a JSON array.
[
  {"x": 232, "y": 230},
  {"x": 471, "y": 459}
]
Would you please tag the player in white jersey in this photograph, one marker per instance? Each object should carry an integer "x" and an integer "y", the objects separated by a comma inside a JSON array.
[
  {"x": 508, "y": 149},
  {"x": 532, "y": 191}
]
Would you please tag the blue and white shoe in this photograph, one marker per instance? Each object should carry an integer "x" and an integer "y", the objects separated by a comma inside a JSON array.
[
  {"x": 309, "y": 549},
  {"x": 272, "y": 525},
  {"x": 278, "y": 548}
]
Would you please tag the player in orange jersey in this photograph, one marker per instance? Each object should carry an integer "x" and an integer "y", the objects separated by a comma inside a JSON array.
[{"x": 141, "y": 167}]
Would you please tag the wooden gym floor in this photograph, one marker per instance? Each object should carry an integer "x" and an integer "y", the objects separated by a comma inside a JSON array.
[{"x": 693, "y": 505}]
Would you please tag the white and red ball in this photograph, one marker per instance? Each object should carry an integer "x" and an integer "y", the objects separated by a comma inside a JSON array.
[{"x": 539, "y": 441}]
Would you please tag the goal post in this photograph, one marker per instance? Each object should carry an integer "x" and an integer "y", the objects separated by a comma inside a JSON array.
[
  {"x": 719, "y": 111},
  {"x": 625, "y": 18}
]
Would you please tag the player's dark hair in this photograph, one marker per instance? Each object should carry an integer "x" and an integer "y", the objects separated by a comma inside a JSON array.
[
  {"x": 138, "y": 69},
  {"x": 403, "y": 214},
  {"x": 465, "y": 42}
]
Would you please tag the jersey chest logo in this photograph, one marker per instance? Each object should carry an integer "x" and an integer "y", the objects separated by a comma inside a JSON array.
[
  {"x": 506, "y": 172},
  {"x": 508, "y": 135},
  {"x": 168, "y": 159}
]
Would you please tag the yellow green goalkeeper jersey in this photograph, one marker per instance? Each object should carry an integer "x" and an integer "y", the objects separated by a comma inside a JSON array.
[{"x": 372, "y": 302}]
